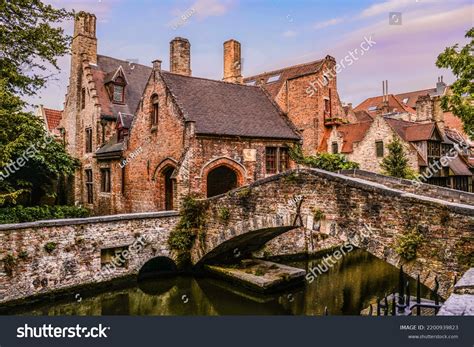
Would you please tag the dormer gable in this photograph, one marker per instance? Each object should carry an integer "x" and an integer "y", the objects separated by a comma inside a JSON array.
[{"x": 116, "y": 83}]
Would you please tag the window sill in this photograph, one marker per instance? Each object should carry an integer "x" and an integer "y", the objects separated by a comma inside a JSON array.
[{"x": 154, "y": 128}]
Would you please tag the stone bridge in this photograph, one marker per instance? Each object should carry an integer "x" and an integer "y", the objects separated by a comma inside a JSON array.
[{"x": 290, "y": 210}]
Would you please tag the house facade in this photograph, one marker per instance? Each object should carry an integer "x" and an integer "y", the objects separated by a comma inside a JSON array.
[
  {"x": 147, "y": 137},
  {"x": 417, "y": 120}
]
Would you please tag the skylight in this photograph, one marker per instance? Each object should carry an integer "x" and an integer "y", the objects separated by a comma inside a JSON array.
[
  {"x": 273, "y": 78},
  {"x": 405, "y": 101},
  {"x": 250, "y": 83},
  {"x": 372, "y": 108}
]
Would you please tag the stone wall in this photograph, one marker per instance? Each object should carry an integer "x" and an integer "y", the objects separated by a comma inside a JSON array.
[
  {"x": 364, "y": 152},
  {"x": 409, "y": 186},
  {"x": 369, "y": 215},
  {"x": 46, "y": 256}
]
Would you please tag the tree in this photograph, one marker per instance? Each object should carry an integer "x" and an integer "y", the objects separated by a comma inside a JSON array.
[
  {"x": 30, "y": 43},
  {"x": 396, "y": 162},
  {"x": 460, "y": 100},
  {"x": 324, "y": 161},
  {"x": 30, "y": 160}
]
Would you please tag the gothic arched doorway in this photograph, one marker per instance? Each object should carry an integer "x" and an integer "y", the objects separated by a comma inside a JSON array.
[
  {"x": 220, "y": 180},
  {"x": 168, "y": 185}
]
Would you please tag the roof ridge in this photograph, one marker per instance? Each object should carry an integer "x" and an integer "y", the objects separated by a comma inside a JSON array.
[
  {"x": 285, "y": 68},
  {"x": 416, "y": 91},
  {"x": 124, "y": 61},
  {"x": 209, "y": 79},
  {"x": 52, "y": 109}
]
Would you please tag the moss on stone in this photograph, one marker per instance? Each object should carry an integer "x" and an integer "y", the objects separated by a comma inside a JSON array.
[
  {"x": 50, "y": 247},
  {"x": 408, "y": 243}
]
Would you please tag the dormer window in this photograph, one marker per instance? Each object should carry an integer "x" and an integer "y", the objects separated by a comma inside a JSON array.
[{"x": 118, "y": 90}]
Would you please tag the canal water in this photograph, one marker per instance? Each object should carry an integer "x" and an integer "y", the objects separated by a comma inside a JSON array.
[{"x": 348, "y": 287}]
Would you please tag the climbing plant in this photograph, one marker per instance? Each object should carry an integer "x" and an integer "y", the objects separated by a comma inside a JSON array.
[
  {"x": 191, "y": 223},
  {"x": 408, "y": 243}
]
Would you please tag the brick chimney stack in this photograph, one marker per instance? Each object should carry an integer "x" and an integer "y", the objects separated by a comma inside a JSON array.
[
  {"x": 84, "y": 40},
  {"x": 180, "y": 56},
  {"x": 232, "y": 62}
]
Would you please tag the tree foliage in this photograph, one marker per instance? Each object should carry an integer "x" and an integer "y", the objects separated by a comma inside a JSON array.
[
  {"x": 324, "y": 161},
  {"x": 30, "y": 160},
  {"x": 396, "y": 162},
  {"x": 460, "y": 99},
  {"x": 30, "y": 43}
]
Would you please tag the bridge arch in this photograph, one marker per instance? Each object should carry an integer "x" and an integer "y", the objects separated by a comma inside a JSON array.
[{"x": 157, "y": 266}]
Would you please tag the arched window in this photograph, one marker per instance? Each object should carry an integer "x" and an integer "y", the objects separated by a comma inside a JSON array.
[
  {"x": 119, "y": 89},
  {"x": 155, "y": 108}
]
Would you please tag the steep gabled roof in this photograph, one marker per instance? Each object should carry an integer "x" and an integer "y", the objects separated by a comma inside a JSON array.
[
  {"x": 136, "y": 76},
  {"x": 363, "y": 116},
  {"x": 352, "y": 133},
  {"x": 371, "y": 105},
  {"x": 284, "y": 74},
  {"x": 53, "y": 117},
  {"x": 412, "y": 97},
  {"x": 125, "y": 119},
  {"x": 221, "y": 108},
  {"x": 411, "y": 131}
]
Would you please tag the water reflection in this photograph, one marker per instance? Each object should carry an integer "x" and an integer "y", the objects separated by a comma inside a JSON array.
[{"x": 347, "y": 288}]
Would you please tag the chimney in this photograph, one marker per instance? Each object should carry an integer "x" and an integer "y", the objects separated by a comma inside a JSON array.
[
  {"x": 84, "y": 42},
  {"x": 232, "y": 62},
  {"x": 440, "y": 86},
  {"x": 156, "y": 64},
  {"x": 384, "y": 107},
  {"x": 424, "y": 109},
  {"x": 180, "y": 56}
]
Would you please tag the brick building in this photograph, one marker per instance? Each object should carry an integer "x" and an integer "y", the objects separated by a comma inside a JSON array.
[
  {"x": 146, "y": 137},
  {"x": 417, "y": 120}
]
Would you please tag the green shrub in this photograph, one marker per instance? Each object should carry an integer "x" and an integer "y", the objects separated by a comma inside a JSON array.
[
  {"x": 8, "y": 263},
  {"x": 20, "y": 214},
  {"x": 318, "y": 214},
  {"x": 224, "y": 214},
  {"x": 50, "y": 247},
  {"x": 23, "y": 255},
  {"x": 407, "y": 244},
  {"x": 324, "y": 161}
]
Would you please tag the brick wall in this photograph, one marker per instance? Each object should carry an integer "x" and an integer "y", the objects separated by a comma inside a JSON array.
[{"x": 305, "y": 106}]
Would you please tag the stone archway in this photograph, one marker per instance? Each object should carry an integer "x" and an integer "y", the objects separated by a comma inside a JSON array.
[
  {"x": 221, "y": 175},
  {"x": 220, "y": 180},
  {"x": 165, "y": 184}
]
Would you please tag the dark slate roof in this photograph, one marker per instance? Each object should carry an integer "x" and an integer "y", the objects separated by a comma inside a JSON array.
[
  {"x": 136, "y": 76},
  {"x": 125, "y": 119},
  {"x": 221, "y": 108},
  {"x": 273, "y": 87},
  {"x": 111, "y": 148}
]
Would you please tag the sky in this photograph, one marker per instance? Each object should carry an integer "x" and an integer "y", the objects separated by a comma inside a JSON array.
[{"x": 408, "y": 36}]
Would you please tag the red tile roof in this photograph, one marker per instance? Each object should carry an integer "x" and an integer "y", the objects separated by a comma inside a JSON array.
[
  {"x": 53, "y": 117},
  {"x": 413, "y": 96},
  {"x": 372, "y": 105},
  {"x": 284, "y": 74},
  {"x": 352, "y": 133},
  {"x": 363, "y": 116},
  {"x": 411, "y": 131}
]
